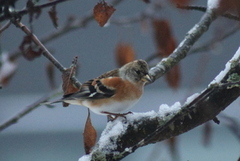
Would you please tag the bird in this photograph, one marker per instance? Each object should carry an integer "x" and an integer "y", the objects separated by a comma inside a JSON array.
[{"x": 113, "y": 92}]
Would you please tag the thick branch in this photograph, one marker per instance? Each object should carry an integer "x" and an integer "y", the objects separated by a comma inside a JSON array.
[
  {"x": 146, "y": 129},
  {"x": 125, "y": 136}
]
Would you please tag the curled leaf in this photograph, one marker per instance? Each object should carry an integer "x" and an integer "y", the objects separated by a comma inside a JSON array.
[
  {"x": 124, "y": 54},
  {"x": 31, "y": 54},
  {"x": 89, "y": 135},
  {"x": 172, "y": 143},
  {"x": 33, "y": 10},
  {"x": 68, "y": 84},
  {"x": 207, "y": 133},
  {"x": 146, "y": 1},
  {"x": 164, "y": 39},
  {"x": 102, "y": 12},
  {"x": 50, "y": 74},
  {"x": 166, "y": 44},
  {"x": 28, "y": 52},
  {"x": 53, "y": 15},
  {"x": 173, "y": 76}
]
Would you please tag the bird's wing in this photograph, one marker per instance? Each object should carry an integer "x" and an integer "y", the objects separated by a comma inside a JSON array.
[{"x": 93, "y": 89}]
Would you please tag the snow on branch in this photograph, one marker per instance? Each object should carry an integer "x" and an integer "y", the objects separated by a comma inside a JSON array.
[
  {"x": 123, "y": 136},
  {"x": 230, "y": 64}
]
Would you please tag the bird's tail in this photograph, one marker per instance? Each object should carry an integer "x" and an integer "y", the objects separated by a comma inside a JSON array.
[{"x": 51, "y": 102}]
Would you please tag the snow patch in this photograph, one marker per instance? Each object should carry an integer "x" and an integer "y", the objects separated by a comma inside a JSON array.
[
  {"x": 85, "y": 158},
  {"x": 222, "y": 74},
  {"x": 191, "y": 98},
  {"x": 213, "y": 4},
  {"x": 165, "y": 110},
  {"x": 136, "y": 116}
]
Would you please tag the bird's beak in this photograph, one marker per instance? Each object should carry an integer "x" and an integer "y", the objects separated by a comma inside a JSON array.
[{"x": 147, "y": 78}]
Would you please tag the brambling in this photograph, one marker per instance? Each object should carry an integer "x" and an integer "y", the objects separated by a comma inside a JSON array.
[{"x": 113, "y": 92}]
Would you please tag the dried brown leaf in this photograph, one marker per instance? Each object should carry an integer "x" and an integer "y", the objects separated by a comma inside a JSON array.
[
  {"x": 172, "y": 143},
  {"x": 166, "y": 44},
  {"x": 53, "y": 16},
  {"x": 31, "y": 54},
  {"x": 207, "y": 132},
  {"x": 164, "y": 39},
  {"x": 26, "y": 42},
  {"x": 50, "y": 75},
  {"x": 28, "y": 52},
  {"x": 89, "y": 135},
  {"x": 124, "y": 54},
  {"x": 68, "y": 84},
  {"x": 33, "y": 10},
  {"x": 173, "y": 77},
  {"x": 146, "y": 1},
  {"x": 102, "y": 12},
  {"x": 230, "y": 6}
]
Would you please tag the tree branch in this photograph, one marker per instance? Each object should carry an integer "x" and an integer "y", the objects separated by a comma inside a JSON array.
[
  {"x": 203, "y": 9},
  {"x": 123, "y": 136},
  {"x": 27, "y": 110},
  {"x": 182, "y": 50},
  {"x": 209, "y": 44},
  {"x": 26, "y": 10},
  {"x": 46, "y": 53},
  {"x": 71, "y": 24},
  {"x": 4, "y": 27}
]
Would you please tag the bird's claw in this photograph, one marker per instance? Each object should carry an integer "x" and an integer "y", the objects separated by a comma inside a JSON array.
[{"x": 111, "y": 118}]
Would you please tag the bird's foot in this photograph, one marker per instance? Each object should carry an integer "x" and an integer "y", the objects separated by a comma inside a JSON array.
[{"x": 116, "y": 115}]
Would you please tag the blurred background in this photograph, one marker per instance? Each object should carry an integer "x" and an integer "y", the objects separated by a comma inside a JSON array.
[{"x": 56, "y": 133}]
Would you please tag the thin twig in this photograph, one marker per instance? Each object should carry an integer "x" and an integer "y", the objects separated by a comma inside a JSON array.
[
  {"x": 46, "y": 53},
  {"x": 74, "y": 24},
  {"x": 27, "y": 110},
  {"x": 204, "y": 9},
  {"x": 209, "y": 44},
  {"x": 66, "y": 29},
  {"x": 26, "y": 11},
  {"x": 70, "y": 26},
  {"x": 183, "y": 48},
  {"x": 5, "y": 26},
  {"x": 34, "y": 38}
]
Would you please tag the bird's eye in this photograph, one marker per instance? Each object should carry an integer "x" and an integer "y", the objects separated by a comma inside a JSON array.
[{"x": 138, "y": 72}]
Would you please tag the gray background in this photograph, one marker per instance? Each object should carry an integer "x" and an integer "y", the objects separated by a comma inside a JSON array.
[{"x": 56, "y": 134}]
